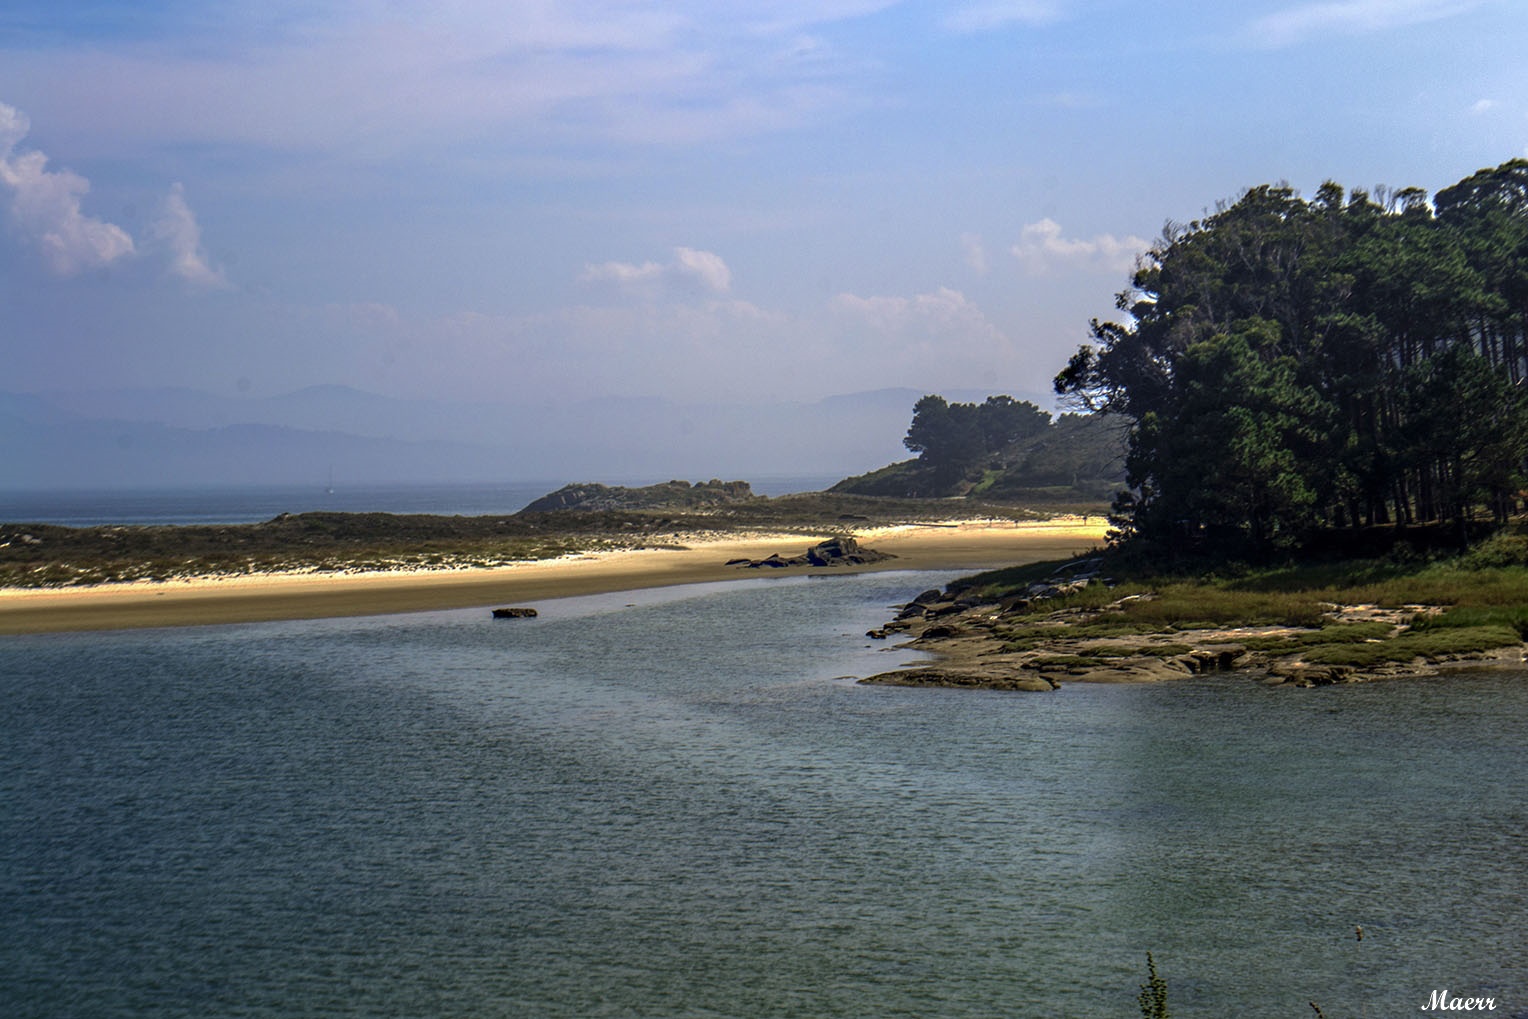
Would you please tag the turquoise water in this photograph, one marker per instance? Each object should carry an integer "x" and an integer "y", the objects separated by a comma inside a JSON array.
[{"x": 674, "y": 803}]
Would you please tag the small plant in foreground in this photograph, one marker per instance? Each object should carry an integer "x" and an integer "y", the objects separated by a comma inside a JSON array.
[{"x": 1153, "y": 996}]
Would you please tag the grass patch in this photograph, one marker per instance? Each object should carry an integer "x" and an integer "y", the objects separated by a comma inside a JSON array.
[
  {"x": 1505, "y": 548},
  {"x": 1139, "y": 650},
  {"x": 1484, "y": 597},
  {"x": 1007, "y": 582},
  {"x": 1186, "y": 606},
  {"x": 1029, "y": 638},
  {"x": 1092, "y": 598},
  {"x": 1432, "y": 645},
  {"x": 1066, "y": 662},
  {"x": 1514, "y": 617},
  {"x": 1331, "y": 635},
  {"x": 1025, "y": 638},
  {"x": 1112, "y": 624}
]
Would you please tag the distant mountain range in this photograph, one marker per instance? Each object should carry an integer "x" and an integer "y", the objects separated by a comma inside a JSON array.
[{"x": 182, "y": 437}]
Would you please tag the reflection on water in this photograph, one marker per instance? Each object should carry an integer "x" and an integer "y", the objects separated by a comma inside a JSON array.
[{"x": 672, "y": 804}]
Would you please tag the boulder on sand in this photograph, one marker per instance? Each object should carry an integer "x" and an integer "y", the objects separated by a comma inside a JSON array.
[{"x": 839, "y": 551}]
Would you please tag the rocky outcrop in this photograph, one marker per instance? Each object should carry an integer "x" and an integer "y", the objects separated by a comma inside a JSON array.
[
  {"x": 670, "y": 495},
  {"x": 971, "y": 679},
  {"x": 1042, "y": 638},
  {"x": 839, "y": 551},
  {"x": 514, "y": 613}
]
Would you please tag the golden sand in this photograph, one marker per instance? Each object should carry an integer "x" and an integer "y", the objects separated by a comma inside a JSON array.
[{"x": 964, "y": 545}]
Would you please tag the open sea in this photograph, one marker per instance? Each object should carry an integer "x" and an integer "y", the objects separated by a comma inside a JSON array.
[
  {"x": 678, "y": 803},
  {"x": 251, "y": 504}
]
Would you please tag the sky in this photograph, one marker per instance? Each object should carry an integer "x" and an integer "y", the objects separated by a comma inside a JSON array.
[{"x": 525, "y": 201}]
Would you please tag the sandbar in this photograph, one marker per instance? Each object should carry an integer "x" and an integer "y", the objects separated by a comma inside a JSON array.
[{"x": 957, "y": 545}]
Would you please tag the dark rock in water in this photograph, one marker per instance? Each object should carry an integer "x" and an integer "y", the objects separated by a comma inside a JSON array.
[
  {"x": 840, "y": 551},
  {"x": 973, "y": 679},
  {"x": 928, "y": 597},
  {"x": 514, "y": 613}
]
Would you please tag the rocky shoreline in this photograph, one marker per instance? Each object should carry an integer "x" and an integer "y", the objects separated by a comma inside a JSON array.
[{"x": 972, "y": 640}]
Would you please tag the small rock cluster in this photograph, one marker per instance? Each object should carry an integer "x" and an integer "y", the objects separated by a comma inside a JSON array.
[{"x": 840, "y": 551}]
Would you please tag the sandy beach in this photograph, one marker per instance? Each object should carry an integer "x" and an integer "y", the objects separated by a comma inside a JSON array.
[{"x": 965, "y": 545}]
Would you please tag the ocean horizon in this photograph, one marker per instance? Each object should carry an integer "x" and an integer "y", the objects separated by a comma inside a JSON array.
[{"x": 248, "y": 504}]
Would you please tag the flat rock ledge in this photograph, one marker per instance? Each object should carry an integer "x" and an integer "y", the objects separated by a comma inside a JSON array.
[
  {"x": 840, "y": 551},
  {"x": 970, "y": 679},
  {"x": 966, "y": 635}
]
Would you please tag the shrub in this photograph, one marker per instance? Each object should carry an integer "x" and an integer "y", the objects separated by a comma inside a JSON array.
[{"x": 1153, "y": 996}]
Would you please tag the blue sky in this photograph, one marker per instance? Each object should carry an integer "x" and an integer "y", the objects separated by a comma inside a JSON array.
[{"x": 531, "y": 201}]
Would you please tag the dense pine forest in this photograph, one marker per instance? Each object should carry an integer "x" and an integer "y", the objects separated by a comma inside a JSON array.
[
  {"x": 1001, "y": 449},
  {"x": 1294, "y": 366}
]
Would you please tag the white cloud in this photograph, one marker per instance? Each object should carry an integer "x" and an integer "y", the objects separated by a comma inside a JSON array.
[
  {"x": 678, "y": 348},
  {"x": 1482, "y": 106},
  {"x": 941, "y": 313},
  {"x": 995, "y": 14},
  {"x": 45, "y": 206},
  {"x": 691, "y": 270},
  {"x": 937, "y": 340},
  {"x": 14, "y": 126},
  {"x": 649, "y": 347},
  {"x": 365, "y": 80},
  {"x": 1349, "y": 17},
  {"x": 177, "y": 230},
  {"x": 975, "y": 252},
  {"x": 1042, "y": 248},
  {"x": 705, "y": 267},
  {"x": 794, "y": 15},
  {"x": 623, "y": 273}
]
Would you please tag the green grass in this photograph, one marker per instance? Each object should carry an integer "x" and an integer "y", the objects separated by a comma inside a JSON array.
[
  {"x": 1513, "y": 617},
  {"x": 1135, "y": 650},
  {"x": 1432, "y": 645},
  {"x": 1197, "y": 606},
  {"x": 1067, "y": 662},
  {"x": 1485, "y": 603},
  {"x": 1332, "y": 634}
]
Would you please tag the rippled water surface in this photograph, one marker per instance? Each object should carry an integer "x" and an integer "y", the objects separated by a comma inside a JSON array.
[{"x": 674, "y": 804}]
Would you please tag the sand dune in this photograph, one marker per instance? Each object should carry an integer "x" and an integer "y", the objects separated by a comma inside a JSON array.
[{"x": 961, "y": 545}]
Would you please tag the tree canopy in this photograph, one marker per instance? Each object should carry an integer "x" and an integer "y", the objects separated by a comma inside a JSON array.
[
  {"x": 1000, "y": 449},
  {"x": 959, "y": 435},
  {"x": 1289, "y": 364}
]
